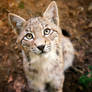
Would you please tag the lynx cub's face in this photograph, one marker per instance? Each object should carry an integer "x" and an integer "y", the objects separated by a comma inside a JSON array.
[{"x": 40, "y": 34}]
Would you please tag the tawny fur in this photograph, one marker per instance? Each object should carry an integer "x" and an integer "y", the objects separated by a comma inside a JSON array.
[{"x": 44, "y": 68}]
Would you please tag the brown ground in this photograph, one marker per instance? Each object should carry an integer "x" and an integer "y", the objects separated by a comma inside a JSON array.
[{"x": 75, "y": 17}]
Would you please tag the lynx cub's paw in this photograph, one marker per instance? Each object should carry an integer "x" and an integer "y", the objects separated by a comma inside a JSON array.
[{"x": 46, "y": 52}]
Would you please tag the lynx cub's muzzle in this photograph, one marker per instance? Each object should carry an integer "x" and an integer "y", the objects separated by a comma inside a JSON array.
[{"x": 41, "y": 48}]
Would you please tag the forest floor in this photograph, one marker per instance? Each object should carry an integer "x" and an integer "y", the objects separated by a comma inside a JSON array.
[{"x": 75, "y": 19}]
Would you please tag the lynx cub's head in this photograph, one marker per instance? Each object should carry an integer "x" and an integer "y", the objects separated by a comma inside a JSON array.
[{"x": 39, "y": 34}]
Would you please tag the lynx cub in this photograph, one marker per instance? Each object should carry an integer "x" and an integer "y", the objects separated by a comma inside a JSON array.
[{"x": 46, "y": 52}]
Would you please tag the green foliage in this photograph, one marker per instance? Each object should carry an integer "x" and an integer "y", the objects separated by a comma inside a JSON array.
[
  {"x": 86, "y": 78},
  {"x": 90, "y": 67},
  {"x": 21, "y": 5}
]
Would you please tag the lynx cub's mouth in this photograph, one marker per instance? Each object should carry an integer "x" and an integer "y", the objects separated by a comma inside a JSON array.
[{"x": 44, "y": 50}]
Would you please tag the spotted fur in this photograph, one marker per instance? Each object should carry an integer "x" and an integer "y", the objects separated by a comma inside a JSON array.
[{"x": 46, "y": 52}]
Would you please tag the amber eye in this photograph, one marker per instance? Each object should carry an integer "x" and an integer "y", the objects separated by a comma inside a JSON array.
[
  {"x": 47, "y": 31},
  {"x": 29, "y": 36}
]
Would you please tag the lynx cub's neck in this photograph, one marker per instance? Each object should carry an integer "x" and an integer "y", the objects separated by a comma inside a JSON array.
[{"x": 46, "y": 52}]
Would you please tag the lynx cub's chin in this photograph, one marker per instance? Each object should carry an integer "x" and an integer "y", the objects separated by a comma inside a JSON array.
[{"x": 46, "y": 52}]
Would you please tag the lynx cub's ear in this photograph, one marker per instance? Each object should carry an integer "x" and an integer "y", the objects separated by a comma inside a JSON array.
[
  {"x": 51, "y": 13},
  {"x": 16, "y": 22}
]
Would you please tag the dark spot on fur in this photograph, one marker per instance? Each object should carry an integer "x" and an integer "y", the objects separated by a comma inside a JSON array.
[
  {"x": 50, "y": 88},
  {"x": 33, "y": 70},
  {"x": 23, "y": 90},
  {"x": 29, "y": 64},
  {"x": 64, "y": 52},
  {"x": 47, "y": 87},
  {"x": 57, "y": 52},
  {"x": 55, "y": 66},
  {"x": 28, "y": 58}
]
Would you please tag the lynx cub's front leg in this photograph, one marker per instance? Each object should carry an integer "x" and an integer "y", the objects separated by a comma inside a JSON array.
[{"x": 46, "y": 52}]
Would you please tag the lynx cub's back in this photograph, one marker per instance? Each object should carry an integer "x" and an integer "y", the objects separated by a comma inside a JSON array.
[{"x": 46, "y": 52}]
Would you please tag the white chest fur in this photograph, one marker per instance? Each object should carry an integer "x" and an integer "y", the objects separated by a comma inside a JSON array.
[{"x": 43, "y": 68}]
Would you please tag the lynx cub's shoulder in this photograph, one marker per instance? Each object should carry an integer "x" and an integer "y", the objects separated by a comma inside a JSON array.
[{"x": 46, "y": 52}]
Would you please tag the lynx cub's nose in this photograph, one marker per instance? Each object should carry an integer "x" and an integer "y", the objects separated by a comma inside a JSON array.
[{"x": 41, "y": 47}]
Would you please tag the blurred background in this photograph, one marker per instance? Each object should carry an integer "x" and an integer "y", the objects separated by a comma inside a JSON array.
[{"x": 76, "y": 23}]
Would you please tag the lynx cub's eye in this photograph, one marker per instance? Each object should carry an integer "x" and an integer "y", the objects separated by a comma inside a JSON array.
[
  {"x": 47, "y": 31},
  {"x": 29, "y": 36}
]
